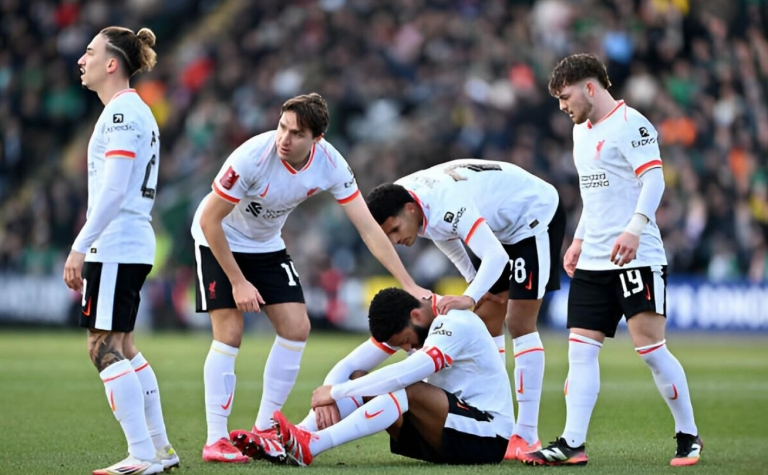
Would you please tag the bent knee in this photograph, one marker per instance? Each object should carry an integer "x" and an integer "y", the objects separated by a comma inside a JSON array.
[{"x": 358, "y": 373}]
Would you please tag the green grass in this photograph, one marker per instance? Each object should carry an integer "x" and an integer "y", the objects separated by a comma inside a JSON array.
[{"x": 55, "y": 418}]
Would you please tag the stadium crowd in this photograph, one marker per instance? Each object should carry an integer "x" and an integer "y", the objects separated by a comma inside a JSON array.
[{"x": 410, "y": 83}]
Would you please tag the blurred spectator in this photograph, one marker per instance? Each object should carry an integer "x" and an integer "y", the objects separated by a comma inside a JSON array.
[{"x": 410, "y": 83}]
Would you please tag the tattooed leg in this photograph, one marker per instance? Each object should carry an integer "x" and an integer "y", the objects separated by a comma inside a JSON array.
[{"x": 105, "y": 348}]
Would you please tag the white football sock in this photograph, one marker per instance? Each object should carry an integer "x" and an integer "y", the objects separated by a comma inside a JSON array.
[
  {"x": 501, "y": 344},
  {"x": 373, "y": 417},
  {"x": 346, "y": 407},
  {"x": 529, "y": 377},
  {"x": 280, "y": 374},
  {"x": 219, "y": 378},
  {"x": 153, "y": 410},
  {"x": 127, "y": 403},
  {"x": 670, "y": 378},
  {"x": 581, "y": 387}
]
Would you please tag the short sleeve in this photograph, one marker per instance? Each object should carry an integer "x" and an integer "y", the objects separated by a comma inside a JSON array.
[
  {"x": 232, "y": 181},
  {"x": 122, "y": 134},
  {"x": 344, "y": 186},
  {"x": 640, "y": 146}
]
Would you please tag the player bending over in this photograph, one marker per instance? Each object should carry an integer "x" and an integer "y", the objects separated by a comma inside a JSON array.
[
  {"x": 617, "y": 258},
  {"x": 448, "y": 402},
  {"x": 514, "y": 223},
  {"x": 243, "y": 264}
]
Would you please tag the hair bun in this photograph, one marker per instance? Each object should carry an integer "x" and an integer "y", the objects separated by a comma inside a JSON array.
[{"x": 146, "y": 36}]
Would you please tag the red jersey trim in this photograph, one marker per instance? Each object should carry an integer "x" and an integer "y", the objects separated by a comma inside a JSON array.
[
  {"x": 292, "y": 170},
  {"x": 221, "y": 193},
  {"x": 120, "y": 153},
  {"x": 647, "y": 166},
  {"x": 124, "y": 91},
  {"x": 424, "y": 222},
  {"x": 383, "y": 347},
  {"x": 472, "y": 230},
  {"x": 618, "y": 105},
  {"x": 349, "y": 198}
]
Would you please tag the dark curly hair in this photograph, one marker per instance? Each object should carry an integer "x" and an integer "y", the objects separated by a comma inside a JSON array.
[
  {"x": 387, "y": 200},
  {"x": 311, "y": 112},
  {"x": 575, "y": 68},
  {"x": 390, "y": 313}
]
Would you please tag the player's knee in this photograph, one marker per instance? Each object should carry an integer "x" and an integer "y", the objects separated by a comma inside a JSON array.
[
  {"x": 105, "y": 348},
  {"x": 358, "y": 373},
  {"x": 295, "y": 330},
  {"x": 521, "y": 317},
  {"x": 646, "y": 328}
]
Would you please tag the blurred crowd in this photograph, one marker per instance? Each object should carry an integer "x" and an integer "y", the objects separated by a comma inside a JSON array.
[{"x": 410, "y": 83}]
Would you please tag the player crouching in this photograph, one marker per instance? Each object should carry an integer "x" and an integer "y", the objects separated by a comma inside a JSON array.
[{"x": 448, "y": 402}]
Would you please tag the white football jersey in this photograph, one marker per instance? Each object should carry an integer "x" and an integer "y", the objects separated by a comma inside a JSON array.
[
  {"x": 456, "y": 196},
  {"x": 126, "y": 128},
  {"x": 468, "y": 365},
  {"x": 610, "y": 157},
  {"x": 265, "y": 189}
]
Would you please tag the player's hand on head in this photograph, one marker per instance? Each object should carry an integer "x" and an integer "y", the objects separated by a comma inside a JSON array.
[
  {"x": 322, "y": 397},
  {"x": 490, "y": 297},
  {"x": 571, "y": 257},
  {"x": 246, "y": 297},
  {"x": 326, "y": 416},
  {"x": 625, "y": 248},
  {"x": 453, "y": 302},
  {"x": 73, "y": 269}
]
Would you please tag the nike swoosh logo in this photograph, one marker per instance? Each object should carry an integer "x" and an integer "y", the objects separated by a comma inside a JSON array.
[
  {"x": 462, "y": 406},
  {"x": 530, "y": 281},
  {"x": 674, "y": 388},
  {"x": 229, "y": 402},
  {"x": 521, "y": 389},
  {"x": 647, "y": 293},
  {"x": 371, "y": 416},
  {"x": 87, "y": 311},
  {"x": 262, "y": 195},
  {"x": 112, "y": 400}
]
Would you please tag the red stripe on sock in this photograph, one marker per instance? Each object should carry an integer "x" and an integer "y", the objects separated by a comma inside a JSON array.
[
  {"x": 399, "y": 411},
  {"x": 119, "y": 375},
  {"x": 648, "y": 350},
  {"x": 142, "y": 367},
  {"x": 528, "y": 351},
  {"x": 575, "y": 340}
]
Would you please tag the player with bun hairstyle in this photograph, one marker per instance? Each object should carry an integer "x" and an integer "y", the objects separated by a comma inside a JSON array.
[{"x": 114, "y": 251}]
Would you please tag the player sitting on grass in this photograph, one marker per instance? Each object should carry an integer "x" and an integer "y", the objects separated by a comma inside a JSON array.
[{"x": 448, "y": 402}]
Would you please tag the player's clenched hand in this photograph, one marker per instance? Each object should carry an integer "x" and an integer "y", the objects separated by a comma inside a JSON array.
[
  {"x": 326, "y": 416},
  {"x": 322, "y": 397},
  {"x": 452, "y": 302},
  {"x": 247, "y": 298},
  {"x": 625, "y": 248},
  {"x": 489, "y": 297},
  {"x": 73, "y": 270},
  {"x": 571, "y": 257}
]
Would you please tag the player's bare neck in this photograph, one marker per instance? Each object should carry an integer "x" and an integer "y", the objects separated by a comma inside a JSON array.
[
  {"x": 110, "y": 89},
  {"x": 301, "y": 164},
  {"x": 602, "y": 105}
]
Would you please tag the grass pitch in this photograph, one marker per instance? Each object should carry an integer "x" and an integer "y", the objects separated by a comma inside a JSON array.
[{"x": 54, "y": 417}]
